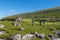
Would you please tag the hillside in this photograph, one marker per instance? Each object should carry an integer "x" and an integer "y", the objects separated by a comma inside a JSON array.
[
  {"x": 46, "y": 13},
  {"x": 45, "y": 28},
  {"x": 12, "y": 30}
]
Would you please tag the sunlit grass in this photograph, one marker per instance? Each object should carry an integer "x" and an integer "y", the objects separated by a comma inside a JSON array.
[{"x": 27, "y": 25}]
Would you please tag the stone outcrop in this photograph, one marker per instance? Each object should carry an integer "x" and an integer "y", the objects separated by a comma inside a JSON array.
[
  {"x": 14, "y": 37},
  {"x": 27, "y": 37}
]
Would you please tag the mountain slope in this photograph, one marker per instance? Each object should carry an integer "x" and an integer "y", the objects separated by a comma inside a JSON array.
[{"x": 40, "y": 13}]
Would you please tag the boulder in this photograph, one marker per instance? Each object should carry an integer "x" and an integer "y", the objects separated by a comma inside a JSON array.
[
  {"x": 50, "y": 35},
  {"x": 2, "y": 39},
  {"x": 57, "y": 33},
  {"x": 53, "y": 38},
  {"x": 39, "y": 35},
  {"x": 2, "y": 32},
  {"x": 57, "y": 38},
  {"x": 1, "y": 26},
  {"x": 21, "y": 29},
  {"x": 27, "y": 37},
  {"x": 14, "y": 37},
  {"x": 16, "y": 24}
]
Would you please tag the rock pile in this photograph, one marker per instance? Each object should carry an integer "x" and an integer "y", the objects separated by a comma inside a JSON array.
[
  {"x": 20, "y": 37},
  {"x": 15, "y": 37},
  {"x": 27, "y": 37}
]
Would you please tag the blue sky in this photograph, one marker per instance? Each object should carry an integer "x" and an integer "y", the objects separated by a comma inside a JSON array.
[{"x": 12, "y": 7}]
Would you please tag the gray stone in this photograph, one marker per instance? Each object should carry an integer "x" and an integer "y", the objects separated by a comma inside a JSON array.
[
  {"x": 1, "y": 26},
  {"x": 51, "y": 37},
  {"x": 27, "y": 37},
  {"x": 54, "y": 38},
  {"x": 16, "y": 24},
  {"x": 21, "y": 29},
  {"x": 2, "y": 39},
  {"x": 39, "y": 35},
  {"x": 57, "y": 38},
  {"x": 57, "y": 33},
  {"x": 14, "y": 37},
  {"x": 2, "y": 32}
]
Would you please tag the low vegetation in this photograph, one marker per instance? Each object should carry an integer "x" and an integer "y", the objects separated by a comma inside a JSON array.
[
  {"x": 27, "y": 25},
  {"x": 52, "y": 17}
]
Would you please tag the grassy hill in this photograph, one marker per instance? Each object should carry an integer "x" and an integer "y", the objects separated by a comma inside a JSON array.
[
  {"x": 46, "y": 13},
  {"x": 27, "y": 23}
]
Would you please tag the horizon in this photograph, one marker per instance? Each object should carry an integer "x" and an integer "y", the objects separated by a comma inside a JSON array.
[{"x": 13, "y": 7}]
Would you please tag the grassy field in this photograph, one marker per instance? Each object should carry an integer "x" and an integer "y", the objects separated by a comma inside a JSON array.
[{"x": 27, "y": 24}]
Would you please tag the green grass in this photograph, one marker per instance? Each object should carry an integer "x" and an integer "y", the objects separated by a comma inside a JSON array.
[{"x": 11, "y": 30}]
